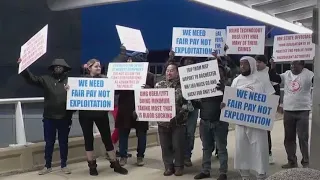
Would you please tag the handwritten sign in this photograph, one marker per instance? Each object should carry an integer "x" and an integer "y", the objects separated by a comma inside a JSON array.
[
  {"x": 200, "y": 80},
  {"x": 155, "y": 104},
  {"x": 90, "y": 94},
  {"x": 293, "y": 47},
  {"x": 246, "y": 39},
  {"x": 196, "y": 42},
  {"x": 220, "y": 41},
  {"x": 249, "y": 108},
  {"x": 128, "y": 76},
  {"x": 33, "y": 49},
  {"x": 131, "y": 39}
]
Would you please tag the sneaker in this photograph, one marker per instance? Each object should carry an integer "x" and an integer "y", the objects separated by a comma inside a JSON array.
[
  {"x": 168, "y": 172},
  {"x": 140, "y": 161},
  {"x": 271, "y": 161},
  {"x": 178, "y": 172},
  {"x": 187, "y": 162},
  {"x": 66, "y": 170},
  {"x": 202, "y": 176},
  {"x": 123, "y": 161},
  {"x": 222, "y": 177},
  {"x": 45, "y": 171},
  {"x": 289, "y": 166}
]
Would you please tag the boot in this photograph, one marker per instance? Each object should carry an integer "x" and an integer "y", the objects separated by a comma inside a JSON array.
[
  {"x": 117, "y": 168},
  {"x": 93, "y": 168},
  {"x": 114, "y": 163}
]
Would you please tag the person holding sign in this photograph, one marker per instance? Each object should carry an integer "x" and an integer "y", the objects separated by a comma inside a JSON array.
[
  {"x": 296, "y": 105},
  {"x": 55, "y": 116},
  {"x": 251, "y": 143},
  {"x": 100, "y": 118},
  {"x": 172, "y": 134},
  {"x": 127, "y": 117},
  {"x": 213, "y": 132}
]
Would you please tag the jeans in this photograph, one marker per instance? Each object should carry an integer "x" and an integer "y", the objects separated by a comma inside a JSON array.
[
  {"x": 123, "y": 142},
  {"x": 191, "y": 129},
  {"x": 296, "y": 122},
  {"x": 50, "y": 128},
  {"x": 212, "y": 133},
  {"x": 172, "y": 141}
]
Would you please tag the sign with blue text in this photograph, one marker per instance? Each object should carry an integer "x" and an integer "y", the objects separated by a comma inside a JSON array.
[
  {"x": 95, "y": 94},
  {"x": 194, "y": 42},
  {"x": 248, "y": 108},
  {"x": 220, "y": 41}
]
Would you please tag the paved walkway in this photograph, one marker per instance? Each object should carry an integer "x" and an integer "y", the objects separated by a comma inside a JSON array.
[{"x": 154, "y": 168}]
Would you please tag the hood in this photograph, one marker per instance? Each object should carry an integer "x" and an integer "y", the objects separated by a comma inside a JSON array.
[
  {"x": 185, "y": 57},
  {"x": 252, "y": 62},
  {"x": 59, "y": 62}
]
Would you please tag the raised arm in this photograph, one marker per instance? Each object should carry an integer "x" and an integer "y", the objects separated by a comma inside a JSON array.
[
  {"x": 32, "y": 79},
  {"x": 273, "y": 76}
]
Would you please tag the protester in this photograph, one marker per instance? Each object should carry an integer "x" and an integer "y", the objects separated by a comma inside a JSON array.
[
  {"x": 127, "y": 117},
  {"x": 213, "y": 132},
  {"x": 264, "y": 74},
  {"x": 88, "y": 118},
  {"x": 296, "y": 105},
  {"x": 172, "y": 134},
  {"x": 251, "y": 151},
  {"x": 191, "y": 121},
  {"x": 55, "y": 116}
]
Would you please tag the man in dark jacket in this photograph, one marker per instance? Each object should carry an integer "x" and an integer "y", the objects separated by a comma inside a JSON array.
[
  {"x": 127, "y": 118},
  {"x": 55, "y": 116},
  {"x": 213, "y": 131}
]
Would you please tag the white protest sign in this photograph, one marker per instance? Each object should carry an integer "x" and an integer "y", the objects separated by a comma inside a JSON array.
[
  {"x": 200, "y": 80},
  {"x": 33, "y": 49},
  {"x": 128, "y": 76},
  {"x": 293, "y": 47},
  {"x": 131, "y": 39},
  {"x": 90, "y": 94},
  {"x": 246, "y": 39},
  {"x": 195, "y": 42},
  {"x": 155, "y": 104},
  {"x": 248, "y": 108},
  {"x": 220, "y": 41}
]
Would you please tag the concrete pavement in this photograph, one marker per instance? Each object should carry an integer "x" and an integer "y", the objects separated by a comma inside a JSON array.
[{"x": 154, "y": 166}]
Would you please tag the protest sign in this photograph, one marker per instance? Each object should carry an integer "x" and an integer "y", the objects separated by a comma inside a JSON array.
[
  {"x": 220, "y": 41},
  {"x": 200, "y": 80},
  {"x": 293, "y": 47},
  {"x": 195, "y": 42},
  {"x": 155, "y": 104},
  {"x": 128, "y": 76},
  {"x": 249, "y": 108},
  {"x": 246, "y": 39},
  {"x": 131, "y": 39},
  {"x": 33, "y": 49},
  {"x": 90, "y": 94}
]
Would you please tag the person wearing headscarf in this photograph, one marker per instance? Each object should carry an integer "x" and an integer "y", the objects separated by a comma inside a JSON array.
[
  {"x": 127, "y": 118},
  {"x": 55, "y": 116},
  {"x": 251, "y": 151}
]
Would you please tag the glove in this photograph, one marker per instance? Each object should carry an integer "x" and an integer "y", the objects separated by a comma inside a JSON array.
[
  {"x": 134, "y": 115},
  {"x": 220, "y": 86}
]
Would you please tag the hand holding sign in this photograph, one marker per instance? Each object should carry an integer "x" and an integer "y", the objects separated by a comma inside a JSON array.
[{"x": 272, "y": 63}]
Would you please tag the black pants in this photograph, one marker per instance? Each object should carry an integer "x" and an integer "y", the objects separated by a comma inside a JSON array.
[
  {"x": 269, "y": 142},
  {"x": 104, "y": 128}
]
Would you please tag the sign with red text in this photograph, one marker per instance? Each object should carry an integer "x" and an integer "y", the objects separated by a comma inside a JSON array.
[
  {"x": 33, "y": 49},
  {"x": 293, "y": 47},
  {"x": 155, "y": 104},
  {"x": 200, "y": 80},
  {"x": 129, "y": 75},
  {"x": 246, "y": 39}
]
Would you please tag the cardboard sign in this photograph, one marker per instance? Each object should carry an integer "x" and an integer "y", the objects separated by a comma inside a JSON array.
[
  {"x": 95, "y": 94},
  {"x": 246, "y": 39},
  {"x": 131, "y": 39},
  {"x": 220, "y": 41},
  {"x": 200, "y": 80},
  {"x": 248, "y": 108},
  {"x": 128, "y": 76},
  {"x": 293, "y": 47},
  {"x": 195, "y": 42},
  {"x": 33, "y": 49},
  {"x": 155, "y": 104}
]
